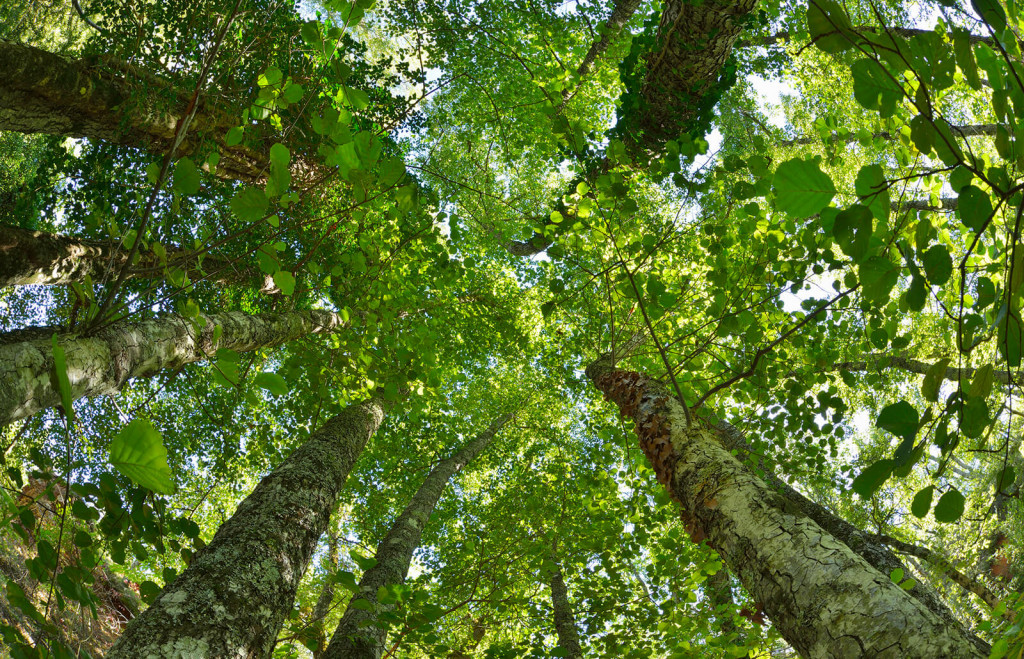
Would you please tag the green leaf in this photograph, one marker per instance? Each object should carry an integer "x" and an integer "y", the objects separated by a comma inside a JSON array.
[
  {"x": 285, "y": 281},
  {"x": 249, "y": 205},
  {"x": 974, "y": 207},
  {"x": 361, "y": 604},
  {"x": 938, "y": 265},
  {"x": 992, "y": 12},
  {"x": 801, "y": 188},
  {"x": 272, "y": 382},
  {"x": 923, "y": 133},
  {"x": 950, "y": 507},
  {"x": 186, "y": 177},
  {"x": 878, "y": 276},
  {"x": 922, "y": 502},
  {"x": 974, "y": 417},
  {"x": 981, "y": 385},
  {"x": 901, "y": 419},
  {"x": 872, "y": 478},
  {"x": 1006, "y": 479},
  {"x": 234, "y": 136},
  {"x": 60, "y": 371},
  {"x": 1011, "y": 336},
  {"x": 852, "y": 230},
  {"x": 270, "y": 77},
  {"x": 138, "y": 452},
  {"x": 829, "y": 26},
  {"x": 933, "y": 378},
  {"x": 896, "y": 575},
  {"x": 279, "y": 155},
  {"x": 874, "y": 87},
  {"x": 873, "y": 189},
  {"x": 917, "y": 294}
]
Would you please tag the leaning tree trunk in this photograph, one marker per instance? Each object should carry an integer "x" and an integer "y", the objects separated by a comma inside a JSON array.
[
  {"x": 36, "y": 257},
  {"x": 41, "y": 92},
  {"x": 234, "y": 597},
  {"x": 824, "y": 599},
  {"x": 102, "y": 363},
  {"x": 565, "y": 621},
  {"x": 356, "y": 635}
]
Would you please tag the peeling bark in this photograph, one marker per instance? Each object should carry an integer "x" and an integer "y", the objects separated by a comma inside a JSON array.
[
  {"x": 358, "y": 634},
  {"x": 565, "y": 621},
  {"x": 103, "y": 363},
  {"x": 41, "y": 92},
  {"x": 234, "y": 597},
  {"x": 824, "y": 599},
  {"x": 36, "y": 257}
]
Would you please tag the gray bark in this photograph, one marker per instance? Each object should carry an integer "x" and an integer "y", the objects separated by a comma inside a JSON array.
[
  {"x": 234, "y": 597},
  {"x": 36, "y": 257},
  {"x": 824, "y": 598},
  {"x": 102, "y": 363},
  {"x": 358, "y": 634},
  {"x": 565, "y": 621},
  {"x": 41, "y": 92}
]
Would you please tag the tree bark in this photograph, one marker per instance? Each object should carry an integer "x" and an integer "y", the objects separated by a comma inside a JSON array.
[
  {"x": 36, "y": 257},
  {"x": 234, "y": 597},
  {"x": 565, "y": 621},
  {"x": 622, "y": 11},
  {"x": 41, "y": 92},
  {"x": 357, "y": 634},
  {"x": 102, "y": 363},
  {"x": 824, "y": 599}
]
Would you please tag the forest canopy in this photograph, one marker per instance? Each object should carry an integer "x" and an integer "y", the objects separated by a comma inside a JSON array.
[{"x": 443, "y": 328}]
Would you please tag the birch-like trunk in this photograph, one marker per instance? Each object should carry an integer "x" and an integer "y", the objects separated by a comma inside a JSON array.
[
  {"x": 565, "y": 621},
  {"x": 41, "y": 92},
  {"x": 357, "y": 634},
  {"x": 234, "y": 597},
  {"x": 824, "y": 599},
  {"x": 36, "y": 257},
  {"x": 102, "y": 363}
]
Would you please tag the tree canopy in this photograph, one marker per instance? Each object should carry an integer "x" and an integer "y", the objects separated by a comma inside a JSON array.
[{"x": 673, "y": 329}]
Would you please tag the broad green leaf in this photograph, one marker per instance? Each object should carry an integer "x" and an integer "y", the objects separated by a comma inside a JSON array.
[
  {"x": 923, "y": 133},
  {"x": 981, "y": 385},
  {"x": 138, "y": 452},
  {"x": 270, "y": 77},
  {"x": 279, "y": 155},
  {"x": 249, "y": 205},
  {"x": 878, "y": 276},
  {"x": 852, "y": 230},
  {"x": 1011, "y": 335},
  {"x": 801, "y": 188},
  {"x": 873, "y": 189},
  {"x": 974, "y": 207},
  {"x": 974, "y": 417},
  {"x": 234, "y": 136},
  {"x": 933, "y": 380},
  {"x": 896, "y": 575},
  {"x": 950, "y": 507},
  {"x": 901, "y": 419},
  {"x": 60, "y": 372},
  {"x": 186, "y": 177},
  {"x": 829, "y": 26},
  {"x": 272, "y": 382},
  {"x": 285, "y": 281},
  {"x": 938, "y": 265},
  {"x": 1006, "y": 479},
  {"x": 917, "y": 293},
  {"x": 874, "y": 87},
  {"x": 992, "y": 12},
  {"x": 922, "y": 502},
  {"x": 872, "y": 478}
]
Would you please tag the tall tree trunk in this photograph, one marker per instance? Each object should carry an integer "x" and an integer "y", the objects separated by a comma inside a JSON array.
[
  {"x": 565, "y": 621},
  {"x": 102, "y": 363},
  {"x": 234, "y": 597},
  {"x": 622, "y": 11},
  {"x": 357, "y": 635},
  {"x": 36, "y": 257},
  {"x": 41, "y": 92},
  {"x": 824, "y": 599},
  {"x": 323, "y": 603}
]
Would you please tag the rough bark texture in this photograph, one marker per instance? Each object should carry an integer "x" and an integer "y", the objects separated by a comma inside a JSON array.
[
  {"x": 356, "y": 634},
  {"x": 41, "y": 92},
  {"x": 622, "y": 11},
  {"x": 102, "y": 363},
  {"x": 824, "y": 599},
  {"x": 565, "y": 621},
  {"x": 233, "y": 598},
  {"x": 694, "y": 42},
  {"x": 36, "y": 257}
]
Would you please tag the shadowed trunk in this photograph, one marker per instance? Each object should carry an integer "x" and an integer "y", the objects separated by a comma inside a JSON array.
[
  {"x": 102, "y": 363},
  {"x": 565, "y": 621},
  {"x": 824, "y": 598},
  {"x": 234, "y": 597},
  {"x": 357, "y": 634},
  {"x": 36, "y": 257}
]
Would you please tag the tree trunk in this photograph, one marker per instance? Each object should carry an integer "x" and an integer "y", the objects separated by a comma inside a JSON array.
[
  {"x": 323, "y": 603},
  {"x": 565, "y": 621},
  {"x": 102, "y": 363},
  {"x": 41, "y": 92},
  {"x": 622, "y": 11},
  {"x": 824, "y": 599},
  {"x": 357, "y": 634},
  {"x": 234, "y": 597},
  {"x": 36, "y": 257}
]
